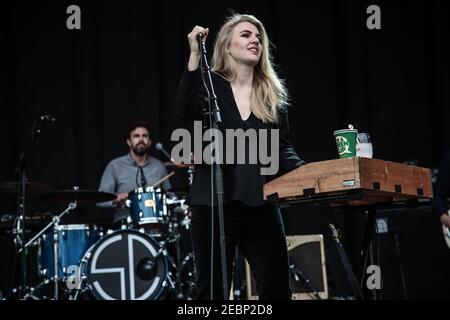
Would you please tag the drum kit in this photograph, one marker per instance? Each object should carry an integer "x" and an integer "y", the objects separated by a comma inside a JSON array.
[{"x": 148, "y": 257}]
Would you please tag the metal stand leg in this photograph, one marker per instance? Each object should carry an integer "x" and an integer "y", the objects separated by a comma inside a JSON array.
[
  {"x": 353, "y": 282},
  {"x": 54, "y": 223},
  {"x": 367, "y": 252},
  {"x": 402, "y": 272},
  {"x": 303, "y": 280},
  {"x": 180, "y": 295},
  {"x": 55, "y": 258},
  {"x": 346, "y": 264},
  {"x": 32, "y": 293}
]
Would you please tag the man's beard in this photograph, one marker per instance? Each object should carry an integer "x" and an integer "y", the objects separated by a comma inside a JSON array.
[{"x": 141, "y": 149}]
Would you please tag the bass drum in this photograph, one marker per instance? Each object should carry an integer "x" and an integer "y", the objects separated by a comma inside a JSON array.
[{"x": 125, "y": 265}]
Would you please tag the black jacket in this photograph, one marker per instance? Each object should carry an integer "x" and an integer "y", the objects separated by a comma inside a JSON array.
[{"x": 242, "y": 182}]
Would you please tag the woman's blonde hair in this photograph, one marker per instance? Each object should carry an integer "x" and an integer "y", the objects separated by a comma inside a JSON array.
[{"x": 269, "y": 94}]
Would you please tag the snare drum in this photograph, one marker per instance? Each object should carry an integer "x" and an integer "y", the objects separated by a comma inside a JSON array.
[
  {"x": 148, "y": 208},
  {"x": 73, "y": 241},
  {"x": 125, "y": 265}
]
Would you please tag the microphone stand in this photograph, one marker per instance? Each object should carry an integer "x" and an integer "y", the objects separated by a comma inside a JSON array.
[
  {"x": 19, "y": 228},
  {"x": 214, "y": 114}
]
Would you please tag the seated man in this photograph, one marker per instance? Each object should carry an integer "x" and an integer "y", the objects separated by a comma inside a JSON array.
[{"x": 131, "y": 171}]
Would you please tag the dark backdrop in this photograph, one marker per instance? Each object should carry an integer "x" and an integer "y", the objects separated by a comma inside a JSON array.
[{"x": 125, "y": 63}]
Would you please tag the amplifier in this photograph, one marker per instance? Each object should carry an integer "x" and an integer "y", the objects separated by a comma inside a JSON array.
[{"x": 308, "y": 277}]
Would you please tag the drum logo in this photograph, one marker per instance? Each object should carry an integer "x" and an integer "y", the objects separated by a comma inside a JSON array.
[
  {"x": 149, "y": 203},
  {"x": 125, "y": 266}
]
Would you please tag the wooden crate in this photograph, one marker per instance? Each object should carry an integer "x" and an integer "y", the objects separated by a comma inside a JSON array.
[{"x": 379, "y": 181}]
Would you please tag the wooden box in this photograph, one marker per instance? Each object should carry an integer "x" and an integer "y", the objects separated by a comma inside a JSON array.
[{"x": 378, "y": 181}]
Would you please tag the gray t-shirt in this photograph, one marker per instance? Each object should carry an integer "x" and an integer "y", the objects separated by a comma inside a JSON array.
[{"x": 123, "y": 175}]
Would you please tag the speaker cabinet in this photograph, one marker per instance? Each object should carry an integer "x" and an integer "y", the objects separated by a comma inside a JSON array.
[{"x": 308, "y": 277}]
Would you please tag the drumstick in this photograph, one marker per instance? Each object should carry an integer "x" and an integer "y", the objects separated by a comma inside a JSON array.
[{"x": 163, "y": 179}]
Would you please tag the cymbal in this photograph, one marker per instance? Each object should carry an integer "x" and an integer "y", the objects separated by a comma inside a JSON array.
[
  {"x": 31, "y": 187},
  {"x": 179, "y": 189},
  {"x": 80, "y": 196},
  {"x": 180, "y": 165},
  {"x": 31, "y": 223}
]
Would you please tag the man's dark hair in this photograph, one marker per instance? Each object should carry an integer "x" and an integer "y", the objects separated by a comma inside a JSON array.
[{"x": 138, "y": 124}]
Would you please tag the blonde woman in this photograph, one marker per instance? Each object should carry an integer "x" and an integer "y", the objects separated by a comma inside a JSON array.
[{"x": 250, "y": 96}]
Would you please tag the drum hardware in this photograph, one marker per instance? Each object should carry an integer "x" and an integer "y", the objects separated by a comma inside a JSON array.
[
  {"x": 54, "y": 259},
  {"x": 181, "y": 263},
  {"x": 171, "y": 163},
  {"x": 54, "y": 223},
  {"x": 176, "y": 280},
  {"x": 31, "y": 295},
  {"x": 148, "y": 208},
  {"x": 21, "y": 189},
  {"x": 191, "y": 171},
  {"x": 55, "y": 220},
  {"x": 126, "y": 264},
  {"x": 189, "y": 282},
  {"x": 73, "y": 242}
]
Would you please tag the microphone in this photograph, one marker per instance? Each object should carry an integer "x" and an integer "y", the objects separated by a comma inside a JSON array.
[
  {"x": 201, "y": 43},
  {"x": 38, "y": 123},
  {"x": 159, "y": 146},
  {"x": 47, "y": 117}
]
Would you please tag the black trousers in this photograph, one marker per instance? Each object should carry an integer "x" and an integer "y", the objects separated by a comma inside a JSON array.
[{"x": 259, "y": 233}]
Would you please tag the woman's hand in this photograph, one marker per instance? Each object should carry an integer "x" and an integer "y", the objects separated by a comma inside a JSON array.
[
  {"x": 192, "y": 37},
  {"x": 194, "y": 58}
]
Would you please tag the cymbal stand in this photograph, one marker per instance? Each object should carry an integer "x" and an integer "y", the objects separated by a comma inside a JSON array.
[
  {"x": 19, "y": 225},
  {"x": 55, "y": 258},
  {"x": 31, "y": 295},
  {"x": 175, "y": 237},
  {"x": 54, "y": 223},
  {"x": 70, "y": 207}
]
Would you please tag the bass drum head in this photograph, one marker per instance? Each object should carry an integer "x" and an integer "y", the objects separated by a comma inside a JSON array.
[{"x": 126, "y": 265}]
